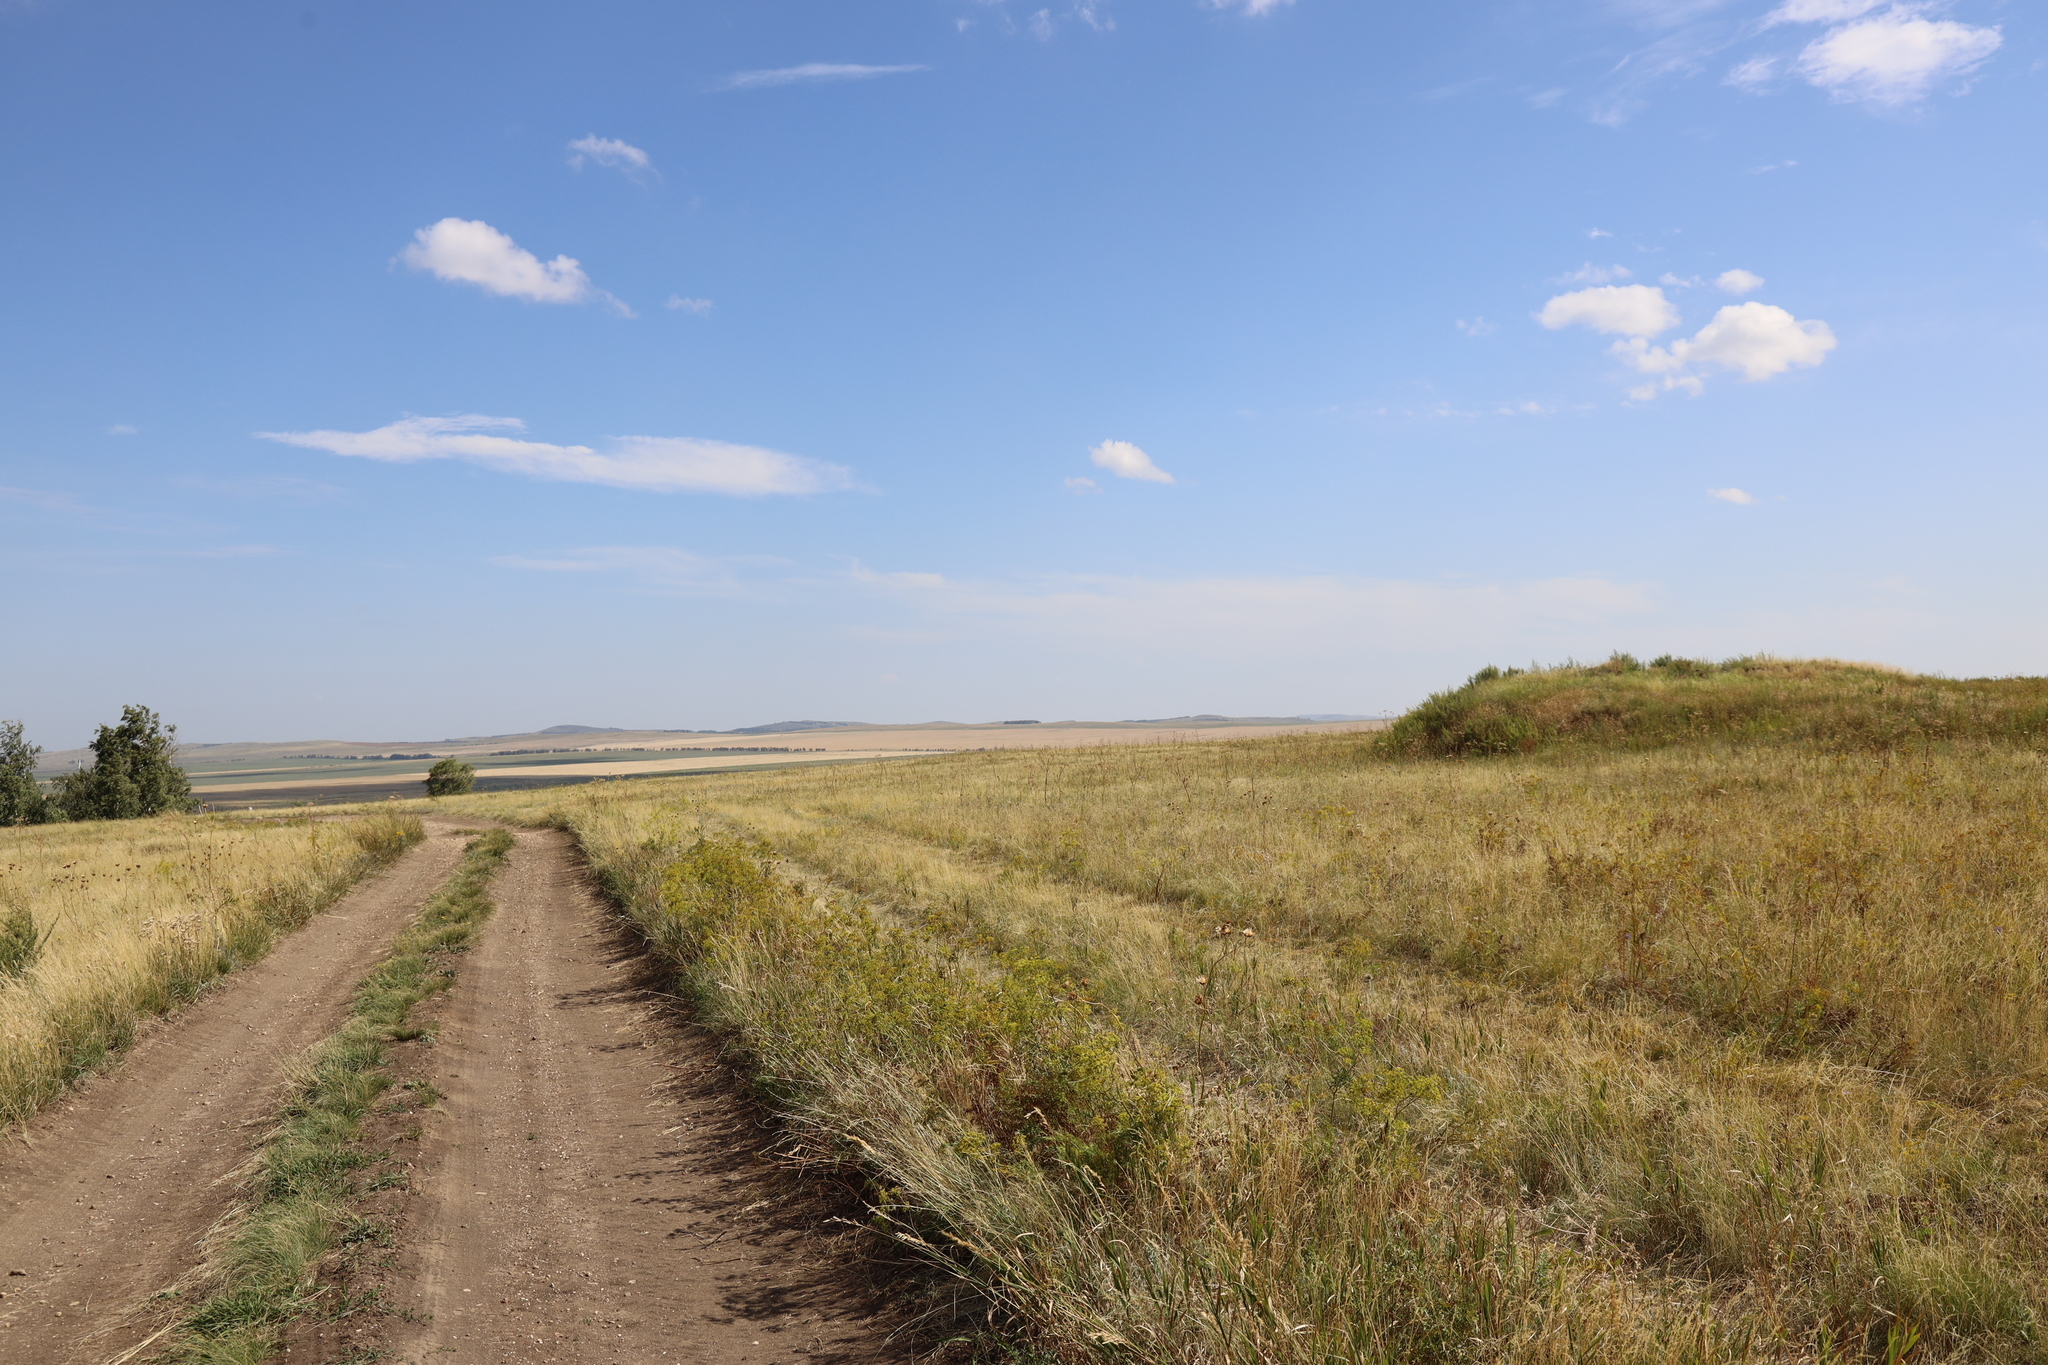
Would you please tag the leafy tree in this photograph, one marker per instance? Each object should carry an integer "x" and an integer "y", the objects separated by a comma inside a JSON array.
[
  {"x": 134, "y": 772},
  {"x": 21, "y": 797},
  {"x": 450, "y": 777}
]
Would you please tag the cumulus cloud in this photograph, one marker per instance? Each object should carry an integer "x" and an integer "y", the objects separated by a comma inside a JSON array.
[
  {"x": 466, "y": 251},
  {"x": 1757, "y": 340},
  {"x": 1738, "y": 281},
  {"x": 811, "y": 73},
  {"x": 609, "y": 151},
  {"x": 1596, "y": 274},
  {"x": 1126, "y": 461},
  {"x": 1734, "y": 495},
  {"x": 1638, "y": 310},
  {"x": 1896, "y": 57},
  {"x": 659, "y": 464}
]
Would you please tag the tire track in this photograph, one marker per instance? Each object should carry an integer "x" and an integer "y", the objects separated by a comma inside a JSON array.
[{"x": 107, "y": 1198}]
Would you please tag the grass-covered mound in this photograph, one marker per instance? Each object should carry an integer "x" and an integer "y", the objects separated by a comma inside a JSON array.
[{"x": 1626, "y": 704}]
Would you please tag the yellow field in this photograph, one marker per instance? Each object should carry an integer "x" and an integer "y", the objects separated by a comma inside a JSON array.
[
  {"x": 137, "y": 915},
  {"x": 1283, "y": 1050}
]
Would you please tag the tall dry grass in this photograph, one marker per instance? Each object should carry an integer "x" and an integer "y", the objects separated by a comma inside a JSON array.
[
  {"x": 1699, "y": 1053},
  {"x": 135, "y": 916}
]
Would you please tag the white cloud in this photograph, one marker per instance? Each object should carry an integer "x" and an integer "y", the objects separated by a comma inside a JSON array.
[
  {"x": 1734, "y": 495},
  {"x": 811, "y": 72},
  {"x": 1739, "y": 281},
  {"x": 609, "y": 151},
  {"x": 659, "y": 464},
  {"x": 471, "y": 252},
  {"x": 1896, "y": 57},
  {"x": 1680, "y": 281},
  {"x": 1126, "y": 461},
  {"x": 1753, "y": 75},
  {"x": 1478, "y": 327},
  {"x": 1638, "y": 310},
  {"x": 1759, "y": 340},
  {"x": 1253, "y": 7},
  {"x": 1818, "y": 11},
  {"x": 1041, "y": 25},
  {"x": 1079, "y": 485},
  {"x": 1598, "y": 232},
  {"x": 121, "y": 429},
  {"x": 681, "y": 304},
  {"x": 1596, "y": 274}
]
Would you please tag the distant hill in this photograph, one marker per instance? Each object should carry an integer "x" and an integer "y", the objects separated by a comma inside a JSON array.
[
  {"x": 782, "y": 727},
  {"x": 581, "y": 730}
]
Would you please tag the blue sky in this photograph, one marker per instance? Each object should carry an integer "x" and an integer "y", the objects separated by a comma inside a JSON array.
[{"x": 404, "y": 371}]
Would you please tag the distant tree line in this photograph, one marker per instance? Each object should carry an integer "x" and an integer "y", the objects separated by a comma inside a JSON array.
[{"x": 134, "y": 772}]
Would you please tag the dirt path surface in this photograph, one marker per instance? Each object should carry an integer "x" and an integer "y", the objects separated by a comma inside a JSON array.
[
  {"x": 116, "y": 1185},
  {"x": 591, "y": 1192}
]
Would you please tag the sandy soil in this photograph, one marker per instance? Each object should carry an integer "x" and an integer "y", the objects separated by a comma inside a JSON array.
[
  {"x": 108, "y": 1195},
  {"x": 591, "y": 1191}
]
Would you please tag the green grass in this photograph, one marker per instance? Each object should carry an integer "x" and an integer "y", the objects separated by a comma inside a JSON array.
[
  {"x": 1623, "y": 704},
  {"x": 265, "y": 1270}
]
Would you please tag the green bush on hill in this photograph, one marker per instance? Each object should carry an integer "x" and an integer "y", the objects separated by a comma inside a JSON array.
[
  {"x": 450, "y": 777},
  {"x": 1756, "y": 699}
]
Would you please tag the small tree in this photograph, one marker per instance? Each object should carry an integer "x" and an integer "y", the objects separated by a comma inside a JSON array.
[
  {"x": 450, "y": 777},
  {"x": 134, "y": 772},
  {"x": 21, "y": 797}
]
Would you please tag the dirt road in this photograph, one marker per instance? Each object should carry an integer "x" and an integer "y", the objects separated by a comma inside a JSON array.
[
  {"x": 592, "y": 1193},
  {"x": 108, "y": 1199}
]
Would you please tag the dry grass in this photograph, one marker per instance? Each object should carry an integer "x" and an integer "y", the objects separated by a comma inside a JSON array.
[
  {"x": 135, "y": 916},
  {"x": 1703, "y": 1052}
]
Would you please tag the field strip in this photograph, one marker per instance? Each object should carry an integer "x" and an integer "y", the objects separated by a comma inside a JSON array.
[
  {"x": 635, "y": 768},
  {"x": 110, "y": 1191}
]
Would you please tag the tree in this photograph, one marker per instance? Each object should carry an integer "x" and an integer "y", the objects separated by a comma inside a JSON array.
[
  {"x": 450, "y": 777},
  {"x": 21, "y": 797},
  {"x": 134, "y": 772}
]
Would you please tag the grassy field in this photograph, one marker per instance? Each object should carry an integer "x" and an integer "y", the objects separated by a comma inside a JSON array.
[
  {"x": 103, "y": 923},
  {"x": 1702, "y": 1044}
]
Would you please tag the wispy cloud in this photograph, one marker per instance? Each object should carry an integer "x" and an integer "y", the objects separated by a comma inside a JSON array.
[
  {"x": 812, "y": 73},
  {"x": 1083, "y": 485},
  {"x": 276, "y": 486},
  {"x": 1734, "y": 495},
  {"x": 677, "y": 303},
  {"x": 1251, "y": 7},
  {"x": 468, "y": 251},
  {"x": 121, "y": 429},
  {"x": 1287, "y": 614},
  {"x": 1126, "y": 461},
  {"x": 1595, "y": 274},
  {"x": 665, "y": 567},
  {"x": 609, "y": 151},
  {"x": 658, "y": 464}
]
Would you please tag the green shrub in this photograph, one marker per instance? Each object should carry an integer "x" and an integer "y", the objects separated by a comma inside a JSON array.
[{"x": 450, "y": 777}]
